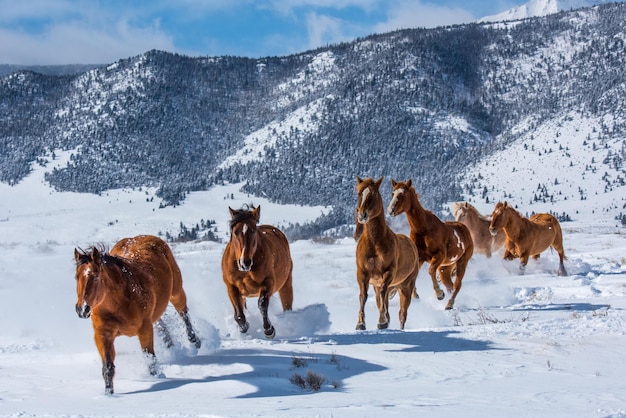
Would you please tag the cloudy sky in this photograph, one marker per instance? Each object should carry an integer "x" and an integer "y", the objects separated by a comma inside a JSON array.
[{"x": 103, "y": 31}]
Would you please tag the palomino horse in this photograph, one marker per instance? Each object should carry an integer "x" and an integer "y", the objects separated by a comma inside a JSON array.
[
  {"x": 527, "y": 237},
  {"x": 478, "y": 225},
  {"x": 446, "y": 246},
  {"x": 256, "y": 262},
  {"x": 386, "y": 260},
  {"x": 125, "y": 292}
]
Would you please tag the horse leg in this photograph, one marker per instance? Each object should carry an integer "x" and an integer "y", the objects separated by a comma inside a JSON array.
[
  {"x": 406, "y": 292},
  {"x": 238, "y": 303},
  {"x": 146, "y": 340},
  {"x": 432, "y": 270},
  {"x": 382, "y": 300},
  {"x": 106, "y": 348},
  {"x": 286, "y": 294},
  {"x": 179, "y": 300},
  {"x": 363, "y": 287},
  {"x": 164, "y": 332},
  {"x": 458, "y": 282},
  {"x": 264, "y": 302},
  {"x": 522, "y": 263}
]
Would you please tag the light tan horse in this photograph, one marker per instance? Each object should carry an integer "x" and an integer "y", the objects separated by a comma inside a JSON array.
[
  {"x": 125, "y": 292},
  {"x": 384, "y": 259},
  {"x": 527, "y": 237},
  {"x": 256, "y": 263},
  {"x": 446, "y": 246},
  {"x": 478, "y": 225}
]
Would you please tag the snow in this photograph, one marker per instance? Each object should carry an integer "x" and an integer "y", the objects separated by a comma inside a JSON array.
[
  {"x": 533, "y": 345},
  {"x": 536, "y": 8}
]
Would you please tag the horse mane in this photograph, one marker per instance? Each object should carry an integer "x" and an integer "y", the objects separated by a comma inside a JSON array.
[
  {"x": 243, "y": 214},
  {"x": 85, "y": 255}
]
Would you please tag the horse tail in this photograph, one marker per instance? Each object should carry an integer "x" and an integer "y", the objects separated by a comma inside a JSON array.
[{"x": 557, "y": 244}]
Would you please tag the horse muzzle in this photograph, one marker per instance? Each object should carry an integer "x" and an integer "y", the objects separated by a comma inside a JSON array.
[
  {"x": 493, "y": 231},
  {"x": 83, "y": 311},
  {"x": 244, "y": 265},
  {"x": 362, "y": 217}
]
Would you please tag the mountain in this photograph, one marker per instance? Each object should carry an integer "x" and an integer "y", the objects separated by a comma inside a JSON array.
[
  {"x": 432, "y": 105},
  {"x": 536, "y": 8}
]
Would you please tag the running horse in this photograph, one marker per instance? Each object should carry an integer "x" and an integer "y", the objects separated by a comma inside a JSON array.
[
  {"x": 384, "y": 259},
  {"x": 527, "y": 237},
  {"x": 125, "y": 292},
  {"x": 478, "y": 225},
  {"x": 256, "y": 263},
  {"x": 446, "y": 246}
]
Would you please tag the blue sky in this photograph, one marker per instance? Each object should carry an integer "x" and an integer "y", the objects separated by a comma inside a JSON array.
[{"x": 103, "y": 31}]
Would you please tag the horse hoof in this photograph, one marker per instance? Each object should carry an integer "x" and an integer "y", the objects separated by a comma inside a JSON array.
[
  {"x": 383, "y": 326},
  {"x": 449, "y": 307},
  {"x": 244, "y": 328},
  {"x": 360, "y": 327},
  {"x": 108, "y": 391},
  {"x": 440, "y": 295},
  {"x": 270, "y": 333}
]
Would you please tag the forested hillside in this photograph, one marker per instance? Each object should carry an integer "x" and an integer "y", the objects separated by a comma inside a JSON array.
[{"x": 421, "y": 104}]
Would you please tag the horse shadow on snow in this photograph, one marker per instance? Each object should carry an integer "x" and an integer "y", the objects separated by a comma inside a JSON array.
[{"x": 270, "y": 370}]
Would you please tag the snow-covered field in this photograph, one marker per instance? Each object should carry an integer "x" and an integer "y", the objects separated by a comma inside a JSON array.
[{"x": 533, "y": 345}]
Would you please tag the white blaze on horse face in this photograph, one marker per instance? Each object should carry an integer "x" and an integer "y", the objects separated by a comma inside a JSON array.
[
  {"x": 364, "y": 196},
  {"x": 245, "y": 229},
  {"x": 394, "y": 200}
]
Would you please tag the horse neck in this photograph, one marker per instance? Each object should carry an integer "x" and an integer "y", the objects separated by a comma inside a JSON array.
[
  {"x": 514, "y": 224},
  {"x": 376, "y": 226},
  {"x": 415, "y": 214}
]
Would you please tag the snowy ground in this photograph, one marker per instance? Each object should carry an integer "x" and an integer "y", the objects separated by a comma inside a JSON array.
[{"x": 533, "y": 345}]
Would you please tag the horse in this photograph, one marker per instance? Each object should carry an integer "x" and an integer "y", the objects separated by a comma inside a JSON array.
[
  {"x": 527, "y": 237},
  {"x": 478, "y": 225},
  {"x": 446, "y": 246},
  {"x": 256, "y": 262},
  {"x": 384, "y": 259},
  {"x": 125, "y": 292}
]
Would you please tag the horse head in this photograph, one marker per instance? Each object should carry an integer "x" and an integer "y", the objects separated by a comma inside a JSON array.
[
  {"x": 88, "y": 270},
  {"x": 399, "y": 199},
  {"x": 498, "y": 218},
  {"x": 369, "y": 203},
  {"x": 243, "y": 235},
  {"x": 459, "y": 210}
]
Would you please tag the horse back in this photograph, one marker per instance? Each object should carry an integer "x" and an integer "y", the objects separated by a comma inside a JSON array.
[{"x": 152, "y": 266}]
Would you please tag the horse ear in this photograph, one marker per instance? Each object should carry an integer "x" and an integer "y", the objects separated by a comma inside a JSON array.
[
  {"x": 95, "y": 256},
  {"x": 359, "y": 180},
  {"x": 232, "y": 212},
  {"x": 77, "y": 255},
  {"x": 377, "y": 182},
  {"x": 393, "y": 183},
  {"x": 409, "y": 182},
  {"x": 257, "y": 213}
]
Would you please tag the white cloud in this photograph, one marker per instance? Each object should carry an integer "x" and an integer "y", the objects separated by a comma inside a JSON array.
[
  {"x": 415, "y": 14},
  {"x": 71, "y": 43}
]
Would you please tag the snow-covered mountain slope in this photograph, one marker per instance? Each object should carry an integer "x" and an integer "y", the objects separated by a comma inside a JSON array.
[
  {"x": 571, "y": 166},
  {"x": 535, "y": 8}
]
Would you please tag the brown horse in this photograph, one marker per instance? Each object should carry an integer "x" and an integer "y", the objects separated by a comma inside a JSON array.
[
  {"x": 446, "y": 246},
  {"x": 386, "y": 260},
  {"x": 125, "y": 292},
  {"x": 527, "y": 237},
  {"x": 256, "y": 262},
  {"x": 478, "y": 225}
]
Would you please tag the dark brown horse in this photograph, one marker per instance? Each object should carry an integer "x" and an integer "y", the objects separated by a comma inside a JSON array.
[
  {"x": 478, "y": 225},
  {"x": 256, "y": 263},
  {"x": 446, "y": 246},
  {"x": 125, "y": 292},
  {"x": 386, "y": 260},
  {"x": 527, "y": 237}
]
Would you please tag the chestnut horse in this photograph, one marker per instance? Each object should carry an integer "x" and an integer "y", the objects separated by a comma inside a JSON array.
[
  {"x": 478, "y": 225},
  {"x": 446, "y": 246},
  {"x": 386, "y": 260},
  {"x": 256, "y": 262},
  {"x": 527, "y": 237},
  {"x": 125, "y": 292}
]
